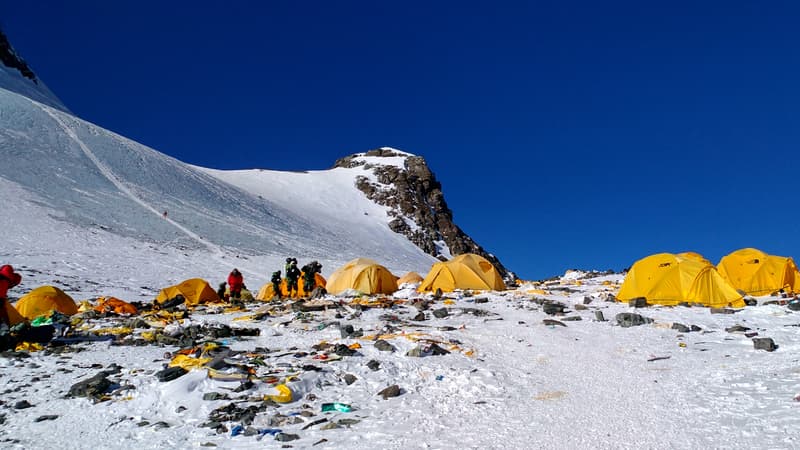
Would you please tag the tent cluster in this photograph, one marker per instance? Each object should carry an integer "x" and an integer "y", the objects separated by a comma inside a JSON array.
[
  {"x": 360, "y": 276},
  {"x": 671, "y": 279}
]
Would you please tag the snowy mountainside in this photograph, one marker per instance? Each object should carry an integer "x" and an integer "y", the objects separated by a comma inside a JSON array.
[
  {"x": 99, "y": 181},
  {"x": 17, "y": 76}
]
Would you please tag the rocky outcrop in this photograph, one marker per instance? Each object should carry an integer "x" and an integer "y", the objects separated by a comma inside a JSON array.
[
  {"x": 9, "y": 58},
  {"x": 416, "y": 204}
]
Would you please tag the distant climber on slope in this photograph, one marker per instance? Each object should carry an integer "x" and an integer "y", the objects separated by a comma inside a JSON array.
[{"x": 236, "y": 283}]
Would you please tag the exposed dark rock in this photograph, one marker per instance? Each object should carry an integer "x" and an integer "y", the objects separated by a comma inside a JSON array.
[
  {"x": 626, "y": 320},
  {"x": 680, "y": 327},
  {"x": 552, "y": 322},
  {"x": 350, "y": 378},
  {"x": 638, "y": 302},
  {"x": 22, "y": 404},
  {"x": 286, "y": 437},
  {"x": 413, "y": 193},
  {"x": 764, "y": 344},
  {"x": 384, "y": 346},
  {"x": 553, "y": 308},
  {"x": 598, "y": 315},
  {"x": 391, "y": 391},
  {"x": 170, "y": 373},
  {"x": 722, "y": 311},
  {"x": 46, "y": 417},
  {"x": 737, "y": 329},
  {"x": 9, "y": 58},
  {"x": 440, "y": 313},
  {"x": 92, "y": 387},
  {"x": 374, "y": 365}
]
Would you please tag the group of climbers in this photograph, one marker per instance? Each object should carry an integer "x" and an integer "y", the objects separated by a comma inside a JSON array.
[{"x": 235, "y": 282}]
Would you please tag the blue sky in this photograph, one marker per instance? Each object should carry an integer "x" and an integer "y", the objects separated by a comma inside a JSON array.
[{"x": 565, "y": 134}]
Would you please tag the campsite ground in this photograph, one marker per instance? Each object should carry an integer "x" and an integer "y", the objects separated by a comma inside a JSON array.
[{"x": 509, "y": 381}]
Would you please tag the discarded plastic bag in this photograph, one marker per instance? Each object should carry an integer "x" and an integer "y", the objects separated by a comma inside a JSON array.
[{"x": 340, "y": 407}]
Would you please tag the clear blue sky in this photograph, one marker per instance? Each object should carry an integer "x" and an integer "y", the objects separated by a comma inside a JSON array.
[{"x": 565, "y": 134}]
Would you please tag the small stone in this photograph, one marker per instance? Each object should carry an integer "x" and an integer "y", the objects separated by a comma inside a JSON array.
[
  {"x": 581, "y": 307},
  {"x": 598, "y": 316},
  {"x": 553, "y": 308},
  {"x": 551, "y": 322},
  {"x": 348, "y": 422},
  {"x": 587, "y": 300},
  {"x": 680, "y": 327},
  {"x": 737, "y": 329},
  {"x": 350, "y": 379},
  {"x": 160, "y": 425},
  {"x": 626, "y": 320},
  {"x": 374, "y": 365},
  {"x": 46, "y": 417},
  {"x": 695, "y": 328},
  {"x": 346, "y": 331},
  {"x": 440, "y": 313},
  {"x": 211, "y": 396},
  {"x": 22, "y": 405},
  {"x": 794, "y": 305},
  {"x": 286, "y": 437},
  {"x": 384, "y": 346},
  {"x": 330, "y": 426},
  {"x": 572, "y": 319},
  {"x": 638, "y": 302},
  {"x": 764, "y": 344},
  {"x": 415, "y": 352},
  {"x": 481, "y": 300},
  {"x": 722, "y": 311},
  {"x": 389, "y": 392}
]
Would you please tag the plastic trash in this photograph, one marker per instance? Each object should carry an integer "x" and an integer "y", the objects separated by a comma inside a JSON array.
[
  {"x": 237, "y": 430},
  {"x": 341, "y": 407},
  {"x": 284, "y": 394},
  {"x": 439, "y": 377}
]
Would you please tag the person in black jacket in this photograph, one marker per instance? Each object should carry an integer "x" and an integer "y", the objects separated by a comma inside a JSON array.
[
  {"x": 276, "y": 284},
  {"x": 292, "y": 275},
  {"x": 309, "y": 276}
]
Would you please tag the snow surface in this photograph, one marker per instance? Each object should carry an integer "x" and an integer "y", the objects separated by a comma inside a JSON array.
[{"x": 14, "y": 81}]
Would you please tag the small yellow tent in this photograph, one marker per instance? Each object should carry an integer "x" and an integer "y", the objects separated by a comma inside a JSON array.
[
  {"x": 363, "y": 275},
  {"x": 14, "y": 317},
  {"x": 195, "y": 290},
  {"x": 758, "y": 273},
  {"x": 267, "y": 292},
  {"x": 43, "y": 300},
  {"x": 468, "y": 271},
  {"x": 695, "y": 256},
  {"x": 410, "y": 277},
  {"x": 667, "y": 279}
]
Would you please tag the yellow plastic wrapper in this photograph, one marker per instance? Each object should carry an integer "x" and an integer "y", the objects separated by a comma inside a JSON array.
[
  {"x": 284, "y": 394},
  {"x": 187, "y": 362}
]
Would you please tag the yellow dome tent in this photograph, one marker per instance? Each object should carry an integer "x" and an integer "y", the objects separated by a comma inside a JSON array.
[
  {"x": 43, "y": 300},
  {"x": 14, "y": 317},
  {"x": 410, "y": 277},
  {"x": 267, "y": 292},
  {"x": 695, "y": 256},
  {"x": 363, "y": 275},
  {"x": 668, "y": 279},
  {"x": 195, "y": 290},
  {"x": 758, "y": 273},
  {"x": 468, "y": 271}
]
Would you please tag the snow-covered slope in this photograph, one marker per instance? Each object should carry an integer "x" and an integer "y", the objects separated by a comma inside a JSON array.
[{"x": 99, "y": 181}]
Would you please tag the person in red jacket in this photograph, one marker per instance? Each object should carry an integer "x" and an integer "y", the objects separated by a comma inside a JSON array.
[
  {"x": 8, "y": 279},
  {"x": 236, "y": 283}
]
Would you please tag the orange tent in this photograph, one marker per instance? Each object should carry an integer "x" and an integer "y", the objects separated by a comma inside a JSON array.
[{"x": 115, "y": 305}]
